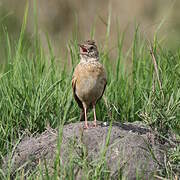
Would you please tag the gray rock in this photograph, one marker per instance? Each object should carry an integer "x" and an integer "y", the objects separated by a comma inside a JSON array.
[{"x": 132, "y": 150}]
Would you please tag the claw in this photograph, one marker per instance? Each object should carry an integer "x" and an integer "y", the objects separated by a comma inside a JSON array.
[
  {"x": 86, "y": 127},
  {"x": 94, "y": 124}
]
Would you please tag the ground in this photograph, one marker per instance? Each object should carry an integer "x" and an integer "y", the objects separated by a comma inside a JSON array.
[{"x": 129, "y": 149}]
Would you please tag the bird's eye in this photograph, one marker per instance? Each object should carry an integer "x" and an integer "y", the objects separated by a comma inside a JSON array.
[{"x": 91, "y": 48}]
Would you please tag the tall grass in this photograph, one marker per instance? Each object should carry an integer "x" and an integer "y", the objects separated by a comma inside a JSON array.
[{"x": 35, "y": 90}]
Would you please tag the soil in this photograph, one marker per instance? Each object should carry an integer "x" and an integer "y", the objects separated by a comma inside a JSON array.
[{"x": 132, "y": 149}]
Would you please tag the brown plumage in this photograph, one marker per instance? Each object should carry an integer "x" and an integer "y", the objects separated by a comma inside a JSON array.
[{"x": 89, "y": 79}]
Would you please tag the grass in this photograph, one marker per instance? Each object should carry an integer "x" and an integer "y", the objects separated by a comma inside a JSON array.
[{"x": 35, "y": 91}]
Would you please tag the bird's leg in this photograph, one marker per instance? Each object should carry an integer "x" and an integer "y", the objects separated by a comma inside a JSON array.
[
  {"x": 94, "y": 111},
  {"x": 85, "y": 114},
  {"x": 82, "y": 115}
]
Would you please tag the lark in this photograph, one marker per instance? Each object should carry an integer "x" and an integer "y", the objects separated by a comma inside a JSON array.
[{"x": 89, "y": 80}]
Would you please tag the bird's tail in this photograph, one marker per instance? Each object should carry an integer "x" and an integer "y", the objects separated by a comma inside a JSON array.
[{"x": 82, "y": 115}]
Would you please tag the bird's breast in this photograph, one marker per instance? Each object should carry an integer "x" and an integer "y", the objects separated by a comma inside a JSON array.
[{"x": 90, "y": 83}]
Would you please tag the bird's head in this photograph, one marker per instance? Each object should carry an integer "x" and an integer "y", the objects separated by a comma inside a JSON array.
[{"x": 89, "y": 51}]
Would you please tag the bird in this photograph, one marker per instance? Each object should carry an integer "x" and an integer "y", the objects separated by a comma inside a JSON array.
[{"x": 89, "y": 80}]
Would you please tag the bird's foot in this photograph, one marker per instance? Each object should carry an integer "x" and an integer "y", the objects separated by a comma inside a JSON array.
[
  {"x": 86, "y": 126},
  {"x": 94, "y": 124}
]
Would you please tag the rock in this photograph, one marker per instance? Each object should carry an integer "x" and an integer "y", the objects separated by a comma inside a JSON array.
[{"x": 132, "y": 150}]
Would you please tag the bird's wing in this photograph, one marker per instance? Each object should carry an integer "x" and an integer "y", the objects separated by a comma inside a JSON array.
[
  {"x": 74, "y": 92},
  {"x": 102, "y": 91},
  {"x": 103, "y": 74}
]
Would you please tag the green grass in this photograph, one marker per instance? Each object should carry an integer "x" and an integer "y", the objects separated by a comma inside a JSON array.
[{"x": 35, "y": 89}]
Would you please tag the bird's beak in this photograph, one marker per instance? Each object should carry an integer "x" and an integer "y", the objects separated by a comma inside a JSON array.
[{"x": 82, "y": 47}]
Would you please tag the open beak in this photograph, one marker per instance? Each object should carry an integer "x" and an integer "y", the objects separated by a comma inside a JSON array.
[{"x": 83, "y": 48}]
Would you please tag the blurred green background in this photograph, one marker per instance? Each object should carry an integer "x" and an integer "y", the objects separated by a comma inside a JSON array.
[{"x": 62, "y": 18}]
